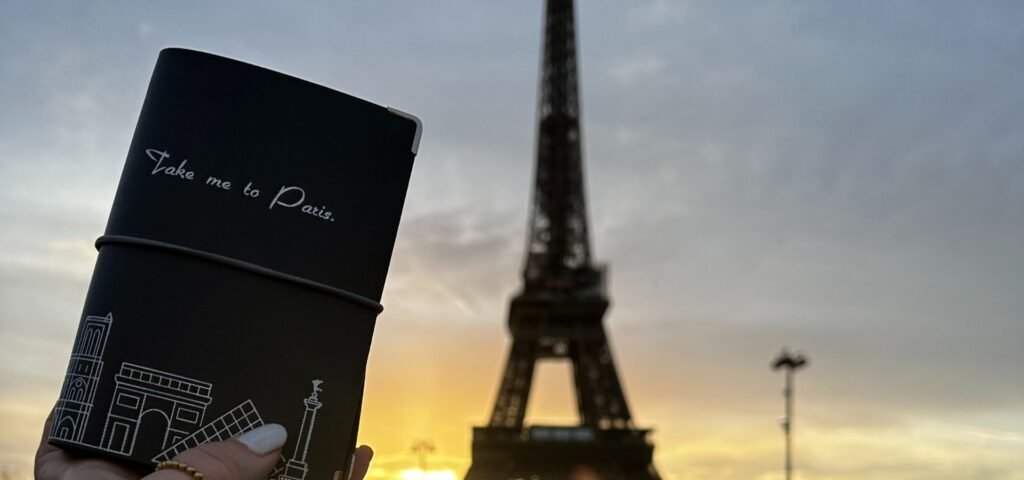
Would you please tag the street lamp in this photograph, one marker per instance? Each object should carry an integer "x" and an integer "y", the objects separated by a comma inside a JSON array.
[
  {"x": 422, "y": 448},
  {"x": 789, "y": 362}
]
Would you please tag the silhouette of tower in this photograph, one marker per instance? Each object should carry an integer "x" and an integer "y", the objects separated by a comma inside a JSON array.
[
  {"x": 559, "y": 312},
  {"x": 76, "y": 397},
  {"x": 296, "y": 467}
]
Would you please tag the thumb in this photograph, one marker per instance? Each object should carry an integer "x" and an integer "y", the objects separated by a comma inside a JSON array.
[{"x": 249, "y": 456}]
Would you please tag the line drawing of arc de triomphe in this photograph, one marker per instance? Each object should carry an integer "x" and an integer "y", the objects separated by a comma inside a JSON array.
[{"x": 164, "y": 406}]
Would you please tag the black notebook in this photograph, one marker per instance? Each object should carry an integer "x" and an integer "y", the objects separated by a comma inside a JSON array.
[{"x": 240, "y": 274}]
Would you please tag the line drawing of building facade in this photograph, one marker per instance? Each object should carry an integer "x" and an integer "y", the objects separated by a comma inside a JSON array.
[
  {"x": 296, "y": 467},
  {"x": 160, "y": 407},
  {"x": 161, "y": 410},
  {"x": 236, "y": 421},
  {"x": 76, "y": 399}
]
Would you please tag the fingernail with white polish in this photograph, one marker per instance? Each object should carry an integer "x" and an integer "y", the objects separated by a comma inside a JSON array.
[{"x": 264, "y": 439}]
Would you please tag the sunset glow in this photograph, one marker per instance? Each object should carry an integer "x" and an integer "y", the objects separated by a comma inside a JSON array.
[
  {"x": 417, "y": 474},
  {"x": 846, "y": 178}
]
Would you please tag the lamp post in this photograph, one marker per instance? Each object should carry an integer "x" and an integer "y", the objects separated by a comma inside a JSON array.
[
  {"x": 422, "y": 448},
  {"x": 790, "y": 363}
]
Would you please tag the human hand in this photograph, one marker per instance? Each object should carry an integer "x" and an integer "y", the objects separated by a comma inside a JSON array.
[{"x": 250, "y": 456}]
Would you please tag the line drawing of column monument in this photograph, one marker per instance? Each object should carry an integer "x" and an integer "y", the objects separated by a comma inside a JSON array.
[{"x": 296, "y": 467}]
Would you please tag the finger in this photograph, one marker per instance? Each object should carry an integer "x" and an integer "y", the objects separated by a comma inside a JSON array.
[
  {"x": 50, "y": 461},
  {"x": 53, "y": 463},
  {"x": 89, "y": 468},
  {"x": 250, "y": 456},
  {"x": 44, "y": 449},
  {"x": 47, "y": 426},
  {"x": 361, "y": 465}
]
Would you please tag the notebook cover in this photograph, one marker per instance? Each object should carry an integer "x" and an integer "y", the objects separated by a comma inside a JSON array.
[{"x": 238, "y": 279}]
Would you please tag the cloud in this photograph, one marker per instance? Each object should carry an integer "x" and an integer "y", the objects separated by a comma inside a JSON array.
[
  {"x": 655, "y": 13},
  {"x": 831, "y": 177},
  {"x": 455, "y": 259},
  {"x": 635, "y": 68}
]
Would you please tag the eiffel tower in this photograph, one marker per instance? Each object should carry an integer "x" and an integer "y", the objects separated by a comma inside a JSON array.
[{"x": 558, "y": 314}]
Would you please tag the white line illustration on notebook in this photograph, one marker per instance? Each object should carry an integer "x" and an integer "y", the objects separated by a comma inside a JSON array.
[
  {"x": 158, "y": 407},
  {"x": 245, "y": 417},
  {"x": 163, "y": 409},
  {"x": 296, "y": 467},
  {"x": 76, "y": 398},
  {"x": 236, "y": 421}
]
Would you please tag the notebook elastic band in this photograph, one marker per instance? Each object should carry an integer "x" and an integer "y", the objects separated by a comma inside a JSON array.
[{"x": 242, "y": 265}]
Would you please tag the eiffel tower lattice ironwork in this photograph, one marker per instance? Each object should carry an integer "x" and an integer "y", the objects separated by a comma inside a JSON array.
[{"x": 559, "y": 312}]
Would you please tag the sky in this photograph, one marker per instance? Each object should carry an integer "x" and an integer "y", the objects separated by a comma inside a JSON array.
[{"x": 846, "y": 178}]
